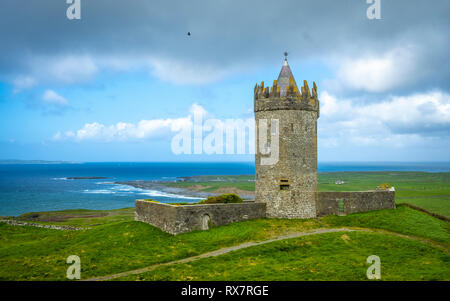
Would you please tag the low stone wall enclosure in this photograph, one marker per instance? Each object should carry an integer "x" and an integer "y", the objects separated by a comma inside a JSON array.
[
  {"x": 347, "y": 202},
  {"x": 177, "y": 219}
]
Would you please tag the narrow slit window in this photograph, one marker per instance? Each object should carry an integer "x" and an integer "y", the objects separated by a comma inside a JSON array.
[{"x": 284, "y": 184}]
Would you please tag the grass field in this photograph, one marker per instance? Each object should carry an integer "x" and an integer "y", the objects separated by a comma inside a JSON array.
[
  {"x": 330, "y": 256},
  {"x": 430, "y": 191},
  {"x": 112, "y": 246},
  {"x": 28, "y": 253},
  {"x": 79, "y": 217},
  {"x": 412, "y": 245}
]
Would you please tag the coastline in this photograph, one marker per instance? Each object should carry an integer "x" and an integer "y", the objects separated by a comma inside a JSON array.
[
  {"x": 162, "y": 187},
  {"x": 40, "y": 189},
  {"x": 194, "y": 191}
]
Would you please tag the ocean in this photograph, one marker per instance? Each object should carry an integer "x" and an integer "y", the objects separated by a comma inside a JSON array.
[{"x": 44, "y": 187}]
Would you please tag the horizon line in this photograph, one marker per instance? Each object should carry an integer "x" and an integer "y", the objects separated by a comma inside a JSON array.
[{"x": 206, "y": 161}]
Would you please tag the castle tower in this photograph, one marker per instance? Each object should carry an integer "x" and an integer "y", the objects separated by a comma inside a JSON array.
[{"x": 286, "y": 178}]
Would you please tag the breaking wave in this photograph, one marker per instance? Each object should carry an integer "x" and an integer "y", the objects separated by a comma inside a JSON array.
[{"x": 119, "y": 189}]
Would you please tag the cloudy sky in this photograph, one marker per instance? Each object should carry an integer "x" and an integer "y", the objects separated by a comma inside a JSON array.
[{"x": 112, "y": 85}]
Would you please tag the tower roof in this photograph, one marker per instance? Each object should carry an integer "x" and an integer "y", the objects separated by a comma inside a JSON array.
[{"x": 285, "y": 77}]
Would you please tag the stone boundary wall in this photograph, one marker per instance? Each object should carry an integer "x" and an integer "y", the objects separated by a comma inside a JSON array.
[
  {"x": 441, "y": 217},
  {"x": 185, "y": 218},
  {"x": 353, "y": 201},
  {"x": 53, "y": 227}
]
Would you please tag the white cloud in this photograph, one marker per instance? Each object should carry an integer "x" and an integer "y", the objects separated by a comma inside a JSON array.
[
  {"x": 72, "y": 69},
  {"x": 57, "y": 136},
  {"x": 378, "y": 72},
  {"x": 123, "y": 131},
  {"x": 186, "y": 73},
  {"x": 67, "y": 69},
  {"x": 417, "y": 113},
  {"x": 397, "y": 121},
  {"x": 23, "y": 82},
  {"x": 53, "y": 98}
]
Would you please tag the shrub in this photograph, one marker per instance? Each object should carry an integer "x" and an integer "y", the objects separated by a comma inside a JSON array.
[
  {"x": 151, "y": 200},
  {"x": 384, "y": 186},
  {"x": 224, "y": 199}
]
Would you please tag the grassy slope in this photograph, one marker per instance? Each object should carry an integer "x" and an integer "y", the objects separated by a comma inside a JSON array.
[
  {"x": 331, "y": 256},
  {"x": 40, "y": 254},
  {"x": 212, "y": 186},
  {"x": 33, "y": 253},
  {"x": 430, "y": 191},
  {"x": 403, "y": 220},
  {"x": 117, "y": 243},
  {"x": 79, "y": 217}
]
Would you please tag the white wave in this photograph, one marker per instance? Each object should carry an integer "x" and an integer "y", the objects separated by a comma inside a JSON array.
[
  {"x": 99, "y": 191},
  {"x": 59, "y": 179},
  {"x": 168, "y": 195},
  {"x": 120, "y": 189}
]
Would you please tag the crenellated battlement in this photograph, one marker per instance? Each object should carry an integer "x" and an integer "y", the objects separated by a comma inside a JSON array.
[{"x": 275, "y": 98}]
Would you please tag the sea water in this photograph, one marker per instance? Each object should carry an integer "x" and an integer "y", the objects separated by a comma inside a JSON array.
[{"x": 44, "y": 187}]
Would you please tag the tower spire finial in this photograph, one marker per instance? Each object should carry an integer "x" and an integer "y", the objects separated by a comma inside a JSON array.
[{"x": 285, "y": 58}]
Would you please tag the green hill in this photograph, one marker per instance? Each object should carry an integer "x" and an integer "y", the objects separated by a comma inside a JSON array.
[
  {"x": 430, "y": 191},
  {"x": 418, "y": 250}
]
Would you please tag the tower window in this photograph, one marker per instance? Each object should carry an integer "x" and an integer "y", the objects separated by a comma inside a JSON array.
[
  {"x": 284, "y": 187},
  {"x": 284, "y": 184}
]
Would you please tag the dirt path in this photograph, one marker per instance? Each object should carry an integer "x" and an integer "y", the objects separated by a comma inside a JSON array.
[
  {"x": 217, "y": 253},
  {"x": 251, "y": 244},
  {"x": 430, "y": 242}
]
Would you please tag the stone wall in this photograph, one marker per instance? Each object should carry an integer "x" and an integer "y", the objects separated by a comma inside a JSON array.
[
  {"x": 353, "y": 201},
  {"x": 53, "y": 227},
  {"x": 286, "y": 103},
  {"x": 289, "y": 186},
  {"x": 159, "y": 215},
  {"x": 185, "y": 218}
]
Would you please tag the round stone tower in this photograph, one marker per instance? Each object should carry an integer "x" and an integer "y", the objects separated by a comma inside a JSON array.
[{"x": 286, "y": 147}]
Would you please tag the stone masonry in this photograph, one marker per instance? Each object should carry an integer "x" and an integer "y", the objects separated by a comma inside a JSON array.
[
  {"x": 185, "y": 218},
  {"x": 353, "y": 201},
  {"x": 288, "y": 187}
]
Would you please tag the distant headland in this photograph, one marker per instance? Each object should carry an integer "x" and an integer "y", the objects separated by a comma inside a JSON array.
[{"x": 12, "y": 161}]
